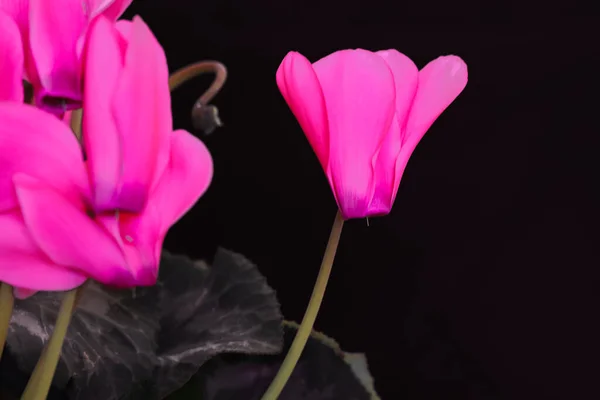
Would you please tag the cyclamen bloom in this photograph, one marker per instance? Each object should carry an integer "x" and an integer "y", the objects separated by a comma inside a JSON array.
[
  {"x": 52, "y": 35},
  {"x": 52, "y": 237},
  {"x": 364, "y": 113},
  {"x": 127, "y": 131}
]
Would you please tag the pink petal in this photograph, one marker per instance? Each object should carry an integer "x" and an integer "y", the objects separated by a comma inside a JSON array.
[
  {"x": 111, "y": 9},
  {"x": 186, "y": 178},
  {"x": 66, "y": 234},
  {"x": 55, "y": 27},
  {"x": 125, "y": 28},
  {"x": 103, "y": 64},
  {"x": 406, "y": 78},
  {"x": 11, "y": 60},
  {"x": 14, "y": 7},
  {"x": 66, "y": 118},
  {"x": 301, "y": 90},
  {"x": 440, "y": 82},
  {"x": 18, "y": 11},
  {"x": 405, "y": 74},
  {"x": 359, "y": 94},
  {"x": 38, "y": 144},
  {"x": 23, "y": 264},
  {"x": 142, "y": 266},
  {"x": 141, "y": 106},
  {"x": 183, "y": 182},
  {"x": 384, "y": 173}
]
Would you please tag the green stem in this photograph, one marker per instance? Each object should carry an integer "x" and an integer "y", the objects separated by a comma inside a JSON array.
[
  {"x": 293, "y": 355},
  {"x": 76, "y": 118},
  {"x": 41, "y": 378},
  {"x": 6, "y": 307}
]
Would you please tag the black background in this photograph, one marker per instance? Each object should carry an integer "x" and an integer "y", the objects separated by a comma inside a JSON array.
[{"x": 483, "y": 281}]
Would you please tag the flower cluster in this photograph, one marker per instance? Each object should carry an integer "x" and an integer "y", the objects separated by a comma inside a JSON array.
[{"x": 98, "y": 207}]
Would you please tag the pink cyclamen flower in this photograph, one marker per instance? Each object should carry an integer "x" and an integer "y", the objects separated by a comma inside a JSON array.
[
  {"x": 127, "y": 132},
  {"x": 364, "y": 113},
  {"x": 51, "y": 238},
  {"x": 52, "y": 34},
  {"x": 18, "y": 254}
]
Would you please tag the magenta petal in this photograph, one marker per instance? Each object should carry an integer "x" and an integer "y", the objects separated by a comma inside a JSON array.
[
  {"x": 55, "y": 27},
  {"x": 125, "y": 28},
  {"x": 111, "y": 9},
  {"x": 406, "y": 78},
  {"x": 385, "y": 179},
  {"x": 186, "y": 178},
  {"x": 66, "y": 117},
  {"x": 301, "y": 90},
  {"x": 66, "y": 234},
  {"x": 405, "y": 74},
  {"x": 11, "y": 60},
  {"x": 188, "y": 175},
  {"x": 23, "y": 264},
  {"x": 440, "y": 82},
  {"x": 142, "y": 266},
  {"x": 18, "y": 10},
  {"x": 101, "y": 138},
  {"x": 38, "y": 144},
  {"x": 360, "y": 97},
  {"x": 141, "y": 106}
]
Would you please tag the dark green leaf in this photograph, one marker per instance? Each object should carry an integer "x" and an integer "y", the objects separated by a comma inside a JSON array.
[
  {"x": 146, "y": 343},
  {"x": 324, "y": 372}
]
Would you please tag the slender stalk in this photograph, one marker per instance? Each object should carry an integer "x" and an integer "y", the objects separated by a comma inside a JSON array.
[
  {"x": 6, "y": 307},
  {"x": 40, "y": 380},
  {"x": 310, "y": 315},
  {"x": 186, "y": 73},
  {"x": 205, "y": 117},
  {"x": 75, "y": 123},
  {"x": 43, "y": 373}
]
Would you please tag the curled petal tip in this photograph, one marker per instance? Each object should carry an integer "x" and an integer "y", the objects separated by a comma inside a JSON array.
[
  {"x": 300, "y": 87},
  {"x": 454, "y": 66},
  {"x": 292, "y": 53}
]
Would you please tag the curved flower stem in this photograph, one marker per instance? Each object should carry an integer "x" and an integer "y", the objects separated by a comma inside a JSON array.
[
  {"x": 191, "y": 71},
  {"x": 6, "y": 307},
  {"x": 199, "y": 112},
  {"x": 305, "y": 329},
  {"x": 43, "y": 373}
]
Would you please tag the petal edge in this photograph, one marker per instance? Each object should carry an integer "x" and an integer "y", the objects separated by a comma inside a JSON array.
[{"x": 300, "y": 87}]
